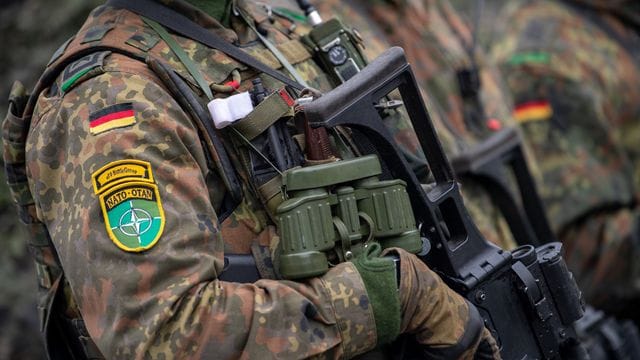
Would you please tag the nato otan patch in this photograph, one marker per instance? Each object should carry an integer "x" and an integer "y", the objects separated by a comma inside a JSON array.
[{"x": 131, "y": 207}]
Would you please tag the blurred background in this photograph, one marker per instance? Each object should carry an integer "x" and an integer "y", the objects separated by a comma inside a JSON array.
[{"x": 30, "y": 31}]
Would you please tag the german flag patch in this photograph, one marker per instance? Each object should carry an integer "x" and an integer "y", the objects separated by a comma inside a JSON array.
[
  {"x": 533, "y": 111},
  {"x": 112, "y": 117}
]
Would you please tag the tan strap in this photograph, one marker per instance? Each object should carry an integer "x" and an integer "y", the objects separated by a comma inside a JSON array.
[{"x": 274, "y": 107}]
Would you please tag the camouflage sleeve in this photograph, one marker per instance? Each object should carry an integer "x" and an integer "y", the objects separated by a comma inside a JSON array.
[
  {"x": 586, "y": 177},
  {"x": 603, "y": 252},
  {"x": 118, "y": 174}
]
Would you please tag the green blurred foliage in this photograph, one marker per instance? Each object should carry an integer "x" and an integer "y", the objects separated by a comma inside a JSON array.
[{"x": 30, "y": 31}]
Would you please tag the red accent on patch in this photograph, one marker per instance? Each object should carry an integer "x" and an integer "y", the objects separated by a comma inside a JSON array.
[
  {"x": 494, "y": 124},
  {"x": 234, "y": 84},
  {"x": 532, "y": 104},
  {"x": 286, "y": 97},
  {"x": 110, "y": 117}
]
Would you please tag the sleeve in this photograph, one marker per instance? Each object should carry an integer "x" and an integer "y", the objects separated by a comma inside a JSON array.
[
  {"x": 582, "y": 165},
  {"x": 603, "y": 252},
  {"x": 586, "y": 178},
  {"x": 165, "y": 301}
]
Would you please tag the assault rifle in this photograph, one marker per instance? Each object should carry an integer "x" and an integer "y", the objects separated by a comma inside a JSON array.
[{"x": 527, "y": 297}]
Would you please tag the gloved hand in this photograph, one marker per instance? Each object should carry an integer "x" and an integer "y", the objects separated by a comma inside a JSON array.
[{"x": 443, "y": 322}]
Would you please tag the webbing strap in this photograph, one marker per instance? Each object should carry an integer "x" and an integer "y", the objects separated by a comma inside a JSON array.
[
  {"x": 265, "y": 114},
  {"x": 182, "y": 55},
  {"x": 184, "y": 26},
  {"x": 283, "y": 60}
]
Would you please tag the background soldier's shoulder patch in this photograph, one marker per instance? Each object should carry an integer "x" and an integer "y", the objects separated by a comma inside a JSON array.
[
  {"x": 130, "y": 203},
  {"x": 533, "y": 111},
  {"x": 112, "y": 117}
]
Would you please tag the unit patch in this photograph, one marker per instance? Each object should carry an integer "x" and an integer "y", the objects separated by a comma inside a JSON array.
[
  {"x": 112, "y": 117},
  {"x": 85, "y": 66},
  {"x": 130, "y": 203},
  {"x": 120, "y": 171},
  {"x": 96, "y": 33}
]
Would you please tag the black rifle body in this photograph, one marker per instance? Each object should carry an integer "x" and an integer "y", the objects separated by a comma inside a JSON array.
[{"x": 528, "y": 298}]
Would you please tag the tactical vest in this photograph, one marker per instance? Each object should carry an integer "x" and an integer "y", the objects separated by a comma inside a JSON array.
[{"x": 79, "y": 59}]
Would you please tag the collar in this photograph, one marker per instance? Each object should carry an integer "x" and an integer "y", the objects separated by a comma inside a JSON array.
[{"x": 201, "y": 18}]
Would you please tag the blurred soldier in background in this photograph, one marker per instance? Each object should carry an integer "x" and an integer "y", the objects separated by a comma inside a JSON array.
[
  {"x": 446, "y": 49},
  {"x": 573, "y": 68},
  {"x": 467, "y": 99}
]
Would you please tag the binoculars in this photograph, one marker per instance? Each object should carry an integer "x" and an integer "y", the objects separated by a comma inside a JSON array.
[{"x": 333, "y": 211}]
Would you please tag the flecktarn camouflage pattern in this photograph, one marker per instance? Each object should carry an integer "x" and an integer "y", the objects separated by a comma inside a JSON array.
[
  {"x": 124, "y": 182},
  {"x": 439, "y": 45},
  {"x": 574, "y": 70}
]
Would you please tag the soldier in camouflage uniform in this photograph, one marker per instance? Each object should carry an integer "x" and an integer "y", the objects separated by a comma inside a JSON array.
[
  {"x": 106, "y": 133},
  {"x": 440, "y": 46},
  {"x": 573, "y": 68}
]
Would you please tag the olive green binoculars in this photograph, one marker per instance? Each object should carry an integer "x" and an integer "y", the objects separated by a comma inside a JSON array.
[{"x": 333, "y": 211}]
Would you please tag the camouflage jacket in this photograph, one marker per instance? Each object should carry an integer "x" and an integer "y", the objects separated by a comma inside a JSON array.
[
  {"x": 108, "y": 144},
  {"x": 155, "y": 304},
  {"x": 439, "y": 45},
  {"x": 574, "y": 73}
]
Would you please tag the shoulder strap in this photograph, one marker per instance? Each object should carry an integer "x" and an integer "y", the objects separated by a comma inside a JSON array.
[{"x": 184, "y": 26}]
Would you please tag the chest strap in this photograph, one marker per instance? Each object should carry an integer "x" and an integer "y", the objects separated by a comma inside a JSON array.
[{"x": 184, "y": 26}]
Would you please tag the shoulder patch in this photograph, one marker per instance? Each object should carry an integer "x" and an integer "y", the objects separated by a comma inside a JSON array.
[
  {"x": 112, "y": 117},
  {"x": 117, "y": 172},
  {"x": 130, "y": 203},
  {"x": 143, "y": 40},
  {"x": 532, "y": 111},
  {"x": 96, "y": 33},
  {"x": 81, "y": 68},
  {"x": 60, "y": 50}
]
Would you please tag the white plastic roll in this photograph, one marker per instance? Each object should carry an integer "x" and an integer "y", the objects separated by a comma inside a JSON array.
[{"x": 229, "y": 110}]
